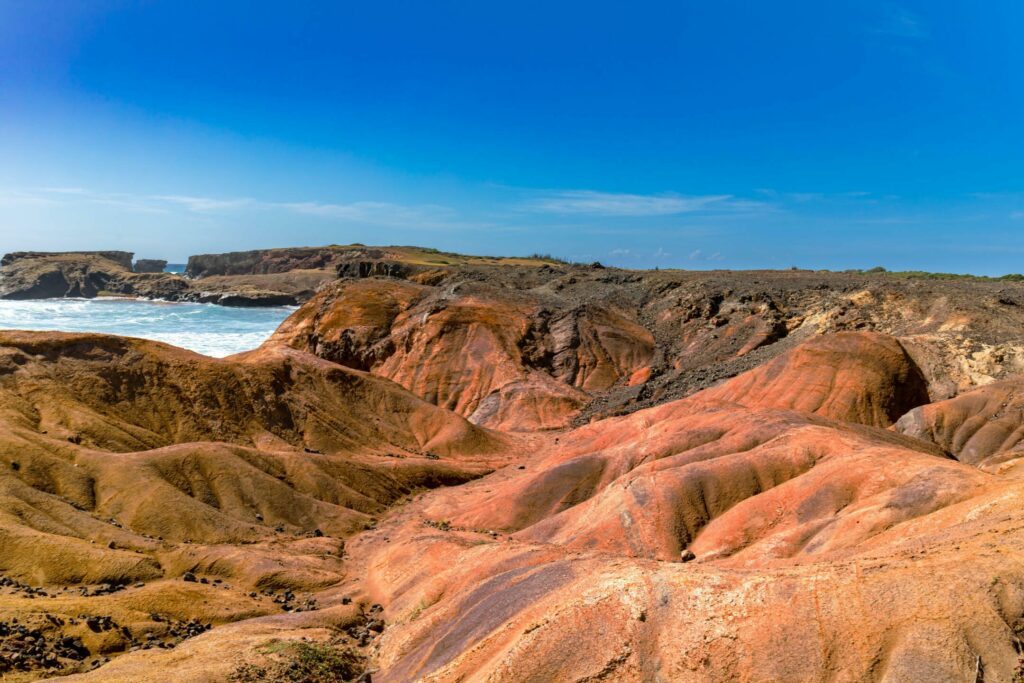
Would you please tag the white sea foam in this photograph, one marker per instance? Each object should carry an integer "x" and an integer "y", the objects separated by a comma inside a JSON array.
[{"x": 205, "y": 328}]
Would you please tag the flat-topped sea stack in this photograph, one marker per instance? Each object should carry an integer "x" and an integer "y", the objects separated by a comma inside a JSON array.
[
  {"x": 122, "y": 259},
  {"x": 149, "y": 265},
  {"x": 45, "y": 275}
]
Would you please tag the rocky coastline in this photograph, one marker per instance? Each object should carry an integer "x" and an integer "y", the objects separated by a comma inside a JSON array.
[{"x": 265, "y": 277}]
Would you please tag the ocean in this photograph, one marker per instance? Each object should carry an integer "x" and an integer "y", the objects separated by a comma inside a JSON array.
[{"x": 205, "y": 328}]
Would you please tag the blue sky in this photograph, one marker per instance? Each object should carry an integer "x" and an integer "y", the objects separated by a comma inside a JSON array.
[{"x": 716, "y": 134}]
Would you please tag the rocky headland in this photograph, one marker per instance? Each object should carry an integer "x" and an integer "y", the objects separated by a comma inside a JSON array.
[{"x": 267, "y": 277}]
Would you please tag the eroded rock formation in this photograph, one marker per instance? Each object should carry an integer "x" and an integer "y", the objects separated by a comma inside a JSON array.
[
  {"x": 550, "y": 346},
  {"x": 984, "y": 427},
  {"x": 267, "y": 277},
  {"x": 767, "y": 486}
]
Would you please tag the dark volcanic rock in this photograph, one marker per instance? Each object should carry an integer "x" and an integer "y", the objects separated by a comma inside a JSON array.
[
  {"x": 381, "y": 268},
  {"x": 150, "y": 265},
  {"x": 251, "y": 299}
]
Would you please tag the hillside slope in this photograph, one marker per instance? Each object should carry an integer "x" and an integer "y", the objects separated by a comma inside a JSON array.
[{"x": 552, "y": 346}]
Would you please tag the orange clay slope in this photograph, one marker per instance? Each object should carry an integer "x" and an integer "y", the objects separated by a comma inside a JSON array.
[
  {"x": 737, "y": 534},
  {"x": 560, "y": 345},
  {"x": 490, "y": 355},
  {"x": 860, "y": 377},
  {"x": 126, "y": 464},
  {"x": 984, "y": 427},
  {"x": 815, "y": 550}
]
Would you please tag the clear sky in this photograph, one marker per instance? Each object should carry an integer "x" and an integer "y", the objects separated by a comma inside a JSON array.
[{"x": 694, "y": 134}]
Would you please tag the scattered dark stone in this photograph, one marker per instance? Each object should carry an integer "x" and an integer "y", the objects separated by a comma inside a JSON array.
[
  {"x": 97, "y": 624},
  {"x": 687, "y": 556},
  {"x": 188, "y": 576},
  {"x": 15, "y": 466},
  {"x": 441, "y": 525}
]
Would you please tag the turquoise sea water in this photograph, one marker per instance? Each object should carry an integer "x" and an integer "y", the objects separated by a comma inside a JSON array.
[{"x": 212, "y": 330}]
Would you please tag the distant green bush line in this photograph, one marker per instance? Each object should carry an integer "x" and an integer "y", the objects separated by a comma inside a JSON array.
[{"x": 923, "y": 274}]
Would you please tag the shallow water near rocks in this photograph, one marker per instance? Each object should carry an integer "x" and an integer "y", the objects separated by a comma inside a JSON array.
[{"x": 205, "y": 328}]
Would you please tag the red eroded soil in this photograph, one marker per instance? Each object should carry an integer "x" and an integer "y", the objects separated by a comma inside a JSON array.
[{"x": 548, "y": 474}]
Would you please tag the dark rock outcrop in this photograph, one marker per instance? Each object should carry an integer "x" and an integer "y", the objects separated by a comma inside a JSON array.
[
  {"x": 379, "y": 268},
  {"x": 150, "y": 265},
  {"x": 250, "y": 299}
]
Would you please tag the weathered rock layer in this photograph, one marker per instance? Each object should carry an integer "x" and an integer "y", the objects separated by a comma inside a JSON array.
[{"x": 551, "y": 346}]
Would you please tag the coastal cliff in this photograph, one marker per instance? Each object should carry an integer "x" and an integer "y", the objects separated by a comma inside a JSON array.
[
  {"x": 264, "y": 277},
  {"x": 42, "y": 275},
  {"x": 48, "y": 275}
]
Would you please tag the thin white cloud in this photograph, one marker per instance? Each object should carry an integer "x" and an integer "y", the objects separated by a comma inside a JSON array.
[
  {"x": 129, "y": 204},
  {"x": 120, "y": 200},
  {"x": 383, "y": 213},
  {"x": 64, "y": 190},
  {"x": 802, "y": 197},
  {"x": 901, "y": 23},
  {"x": 203, "y": 204},
  {"x": 616, "y": 204},
  {"x": 388, "y": 214},
  {"x": 19, "y": 197},
  {"x": 698, "y": 255}
]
